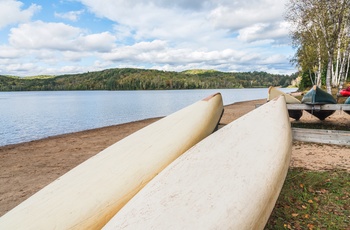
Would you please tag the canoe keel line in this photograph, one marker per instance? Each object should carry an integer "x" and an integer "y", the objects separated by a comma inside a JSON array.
[
  {"x": 90, "y": 194},
  {"x": 229, "y": 180}
]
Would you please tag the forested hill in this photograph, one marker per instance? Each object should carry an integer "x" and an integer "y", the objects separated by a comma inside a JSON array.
[{"x": 144, "y": 79}]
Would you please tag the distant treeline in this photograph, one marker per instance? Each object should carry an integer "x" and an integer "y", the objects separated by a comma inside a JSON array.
[{"x": 144, "y": 79}]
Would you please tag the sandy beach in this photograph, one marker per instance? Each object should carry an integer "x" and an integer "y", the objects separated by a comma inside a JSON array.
[{"x": 27, "y": 167}]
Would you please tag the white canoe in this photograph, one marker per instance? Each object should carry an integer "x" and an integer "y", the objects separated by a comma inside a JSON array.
[
  {"x": 274, "y": 92},
  {"x": 229, "y": 180},
  {"x": 90, "y": 194}
]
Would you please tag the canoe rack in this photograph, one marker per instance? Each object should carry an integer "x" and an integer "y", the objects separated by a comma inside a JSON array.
[
  {"x": 337, "y": 137},
  {"x": 342, "y": 107},
  {"x": 319, "y": 107}
]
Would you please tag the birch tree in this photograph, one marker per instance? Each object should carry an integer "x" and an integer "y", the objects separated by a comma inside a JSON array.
[{"x": 322, "y": 23}]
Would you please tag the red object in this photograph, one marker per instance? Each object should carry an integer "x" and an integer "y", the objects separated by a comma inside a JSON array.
[{"x": 345, "y": 92}]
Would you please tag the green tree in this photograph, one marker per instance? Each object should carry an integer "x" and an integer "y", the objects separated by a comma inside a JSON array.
[{"x": 320, "y": 32}]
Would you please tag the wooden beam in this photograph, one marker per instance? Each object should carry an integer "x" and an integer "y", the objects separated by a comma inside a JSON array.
[
  {"x": 344, "y": 107},
  {"x": 336, "y": 137},
  {"x": 319, "y": 107}
]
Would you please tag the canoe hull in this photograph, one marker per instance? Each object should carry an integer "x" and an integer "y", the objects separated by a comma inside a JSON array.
[
  {"x": 295, "y": 114},
  {"x": 230, "y": 180},
  {"x": 322, "y": 114},
  {"x": 345, "y": 92},
  {"x": 90, "y": 194},
  {"x": 273, "y": 92},
  {"x": 317, "y": 96}
]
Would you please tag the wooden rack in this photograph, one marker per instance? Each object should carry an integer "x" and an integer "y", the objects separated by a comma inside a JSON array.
[{"x": 319, "y": 107}]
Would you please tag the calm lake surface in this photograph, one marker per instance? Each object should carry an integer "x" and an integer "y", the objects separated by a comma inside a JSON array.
[{"x": 27, "y": 116}]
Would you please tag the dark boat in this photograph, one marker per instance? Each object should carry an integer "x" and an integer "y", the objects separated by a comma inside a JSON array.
[
  {"x": 317, "y": 96},
  {"x": 348, "y": 103}
]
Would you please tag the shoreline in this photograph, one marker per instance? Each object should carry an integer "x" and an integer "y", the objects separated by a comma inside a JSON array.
[
  {"x": 27, "y": 167},
  {"x": 87, "y": 131}
]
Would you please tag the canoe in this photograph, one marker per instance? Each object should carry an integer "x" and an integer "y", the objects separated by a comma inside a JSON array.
[
  {"x": 345, "y": 92},
  {"x": 229, "y": 180},
  {"x": 347, "y": 101},
  {"x": 91, "y": 193},
  {"x": 317, "y": 96},
  {"x": 273, "y": 92}
]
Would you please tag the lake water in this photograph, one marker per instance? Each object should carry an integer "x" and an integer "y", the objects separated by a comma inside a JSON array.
[{"x": 27, "y": 116}]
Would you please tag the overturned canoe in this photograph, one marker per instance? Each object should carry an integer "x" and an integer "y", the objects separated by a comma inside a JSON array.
[
  {"x": 229, "y": 180},
  {"x": 317, "y": 96},
  {"x": 273, "y": 92},
  {"x": 347, "y": 101},
  {"x": 345, "y": 92},
  {"x": 90, "y": 194}
]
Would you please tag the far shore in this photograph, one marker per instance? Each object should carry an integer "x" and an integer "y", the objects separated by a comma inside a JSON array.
[{"x": 27, "y": 167}]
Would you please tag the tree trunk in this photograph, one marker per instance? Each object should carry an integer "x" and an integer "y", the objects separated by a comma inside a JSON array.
[
  {"x": 329, "y": 73},
  {"x": 319, "y": 82},
  {"x": 335, "y": 76},
  {"x": 348, "y": 67},
  {"x": 342, "y": 72}
]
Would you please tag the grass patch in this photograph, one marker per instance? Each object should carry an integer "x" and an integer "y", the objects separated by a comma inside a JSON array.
[{"x": 313, "y": 200}]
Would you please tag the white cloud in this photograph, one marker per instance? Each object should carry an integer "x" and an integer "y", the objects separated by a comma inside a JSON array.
[
  {"x": 101, "y": 42},
  {"x": 264, "y": 31},
  {"x": 160, "y": 19},
  {"x": 21, "y": 67},
  {"x": 8, "y": 52},
  {"x": 159, "y": 53},
  {"x": 11, "y": 12},
  {"x": 149, "y": 20},
  {"x": 252, "y": 20},
  {"x": 58, "y": 36},
  {"x": 143, "y": 51},
  {"x": 235, "y": 15},
  {"x": 71, "y": 15},
  {"x": 42, "y": 35},
  {"x": 276, "y": 58}
]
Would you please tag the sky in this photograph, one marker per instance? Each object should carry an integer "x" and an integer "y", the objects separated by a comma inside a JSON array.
[{"x": 40, "y": 37}]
